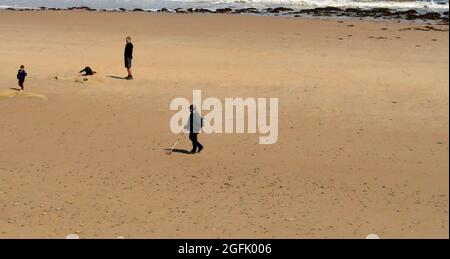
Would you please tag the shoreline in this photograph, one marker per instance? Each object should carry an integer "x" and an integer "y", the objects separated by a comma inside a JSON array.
[{"x": 440, "y": 18}]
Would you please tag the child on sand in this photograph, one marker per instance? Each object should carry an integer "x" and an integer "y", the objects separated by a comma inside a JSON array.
[
  {"x": 88, "y": 71},
  {"x": 21, "y": 76}
]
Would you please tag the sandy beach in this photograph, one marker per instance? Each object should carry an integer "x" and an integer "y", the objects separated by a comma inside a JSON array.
[{"x": 363, "y": 127}]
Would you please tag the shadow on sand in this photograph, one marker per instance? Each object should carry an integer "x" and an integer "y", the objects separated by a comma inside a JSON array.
[
  {"x": 117, "y": 77},
  {"x": 181, "y": 151},
  {"x": 14, "y": 88}
]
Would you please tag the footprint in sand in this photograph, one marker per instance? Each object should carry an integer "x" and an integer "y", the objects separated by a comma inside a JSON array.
[{"x": 16, "y": 94}]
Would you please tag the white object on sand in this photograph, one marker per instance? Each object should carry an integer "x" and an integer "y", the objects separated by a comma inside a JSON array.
[
  {"x": 72, "y": 236},
  {"x": 372, "y": 236},
  {"x": 174, "y": 145}
]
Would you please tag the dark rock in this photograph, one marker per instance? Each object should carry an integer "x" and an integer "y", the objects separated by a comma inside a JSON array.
[
  {"x": 411, "y": 17},
  {"x": 306, "y": 11},
  {"x": 324, "y": 11},
  {"x": 405, "y": 13},
  {"x": 86, "y": 8},
  {"x": 282, "y": 9},
  {"x": 138, "y": 10},
  {"x": 163, "y": 10},
  {"x": 352, "y": 10},
  {"x": 181, "y": 10},
  {"x": 411, "y": 11},
  {"x": 247, "y": 10},
  {"x": 278, "y": 10},
  {"x": 329, "y": 9},
  {"x": 382, "y": 12},
  {"x": 431, "y": 16},
  {"x": 202, "y": 10},
  {"x": 224, "y": 10}
]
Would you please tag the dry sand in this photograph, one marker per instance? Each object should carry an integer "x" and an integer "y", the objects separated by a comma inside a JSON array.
[{"x": 363, "y": 145}]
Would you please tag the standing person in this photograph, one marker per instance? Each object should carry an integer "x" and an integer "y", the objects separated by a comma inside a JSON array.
[
  {"x": 194, "y": 125},
  {"x": 21, "y": 77},
  {"x": 128, "y": 55}
]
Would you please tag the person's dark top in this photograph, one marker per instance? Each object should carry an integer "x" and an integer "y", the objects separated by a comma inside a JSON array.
[
  {"x": 21, "y": 75},
  {"x": 88, "y": 71},
  {"x": 195, "y": 123},
  {"x": 191, "y": 125},
  {"x": 129, "y": 50}
]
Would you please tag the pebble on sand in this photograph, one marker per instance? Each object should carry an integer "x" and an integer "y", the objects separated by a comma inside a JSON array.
[
  {"x": 72, "y": 236},
  {"x": 372, "y": 236}
]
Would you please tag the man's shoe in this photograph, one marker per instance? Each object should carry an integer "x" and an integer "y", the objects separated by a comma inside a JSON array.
[
  {"x": 192, "y": 151},
  {"x": 129, "y": 78},
  {"x": 200, "y": 149}
]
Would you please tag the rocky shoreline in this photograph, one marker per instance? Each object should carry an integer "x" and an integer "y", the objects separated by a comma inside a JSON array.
[{"x": 376, "y": 13}]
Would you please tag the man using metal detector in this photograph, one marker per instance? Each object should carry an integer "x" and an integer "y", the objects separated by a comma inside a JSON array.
[{"x": 194, "y": 125}]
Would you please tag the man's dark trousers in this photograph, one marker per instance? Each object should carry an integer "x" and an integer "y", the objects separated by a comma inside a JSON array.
[{"x": 195, "y": 143}]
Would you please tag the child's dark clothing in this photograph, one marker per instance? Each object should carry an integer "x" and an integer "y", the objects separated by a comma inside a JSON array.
[
  {"x": 21, "y": 77},
  {"x": 87, "y": 71}
]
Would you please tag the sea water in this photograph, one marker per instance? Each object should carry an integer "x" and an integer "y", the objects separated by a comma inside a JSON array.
[{"x": 423, "y": 5}]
